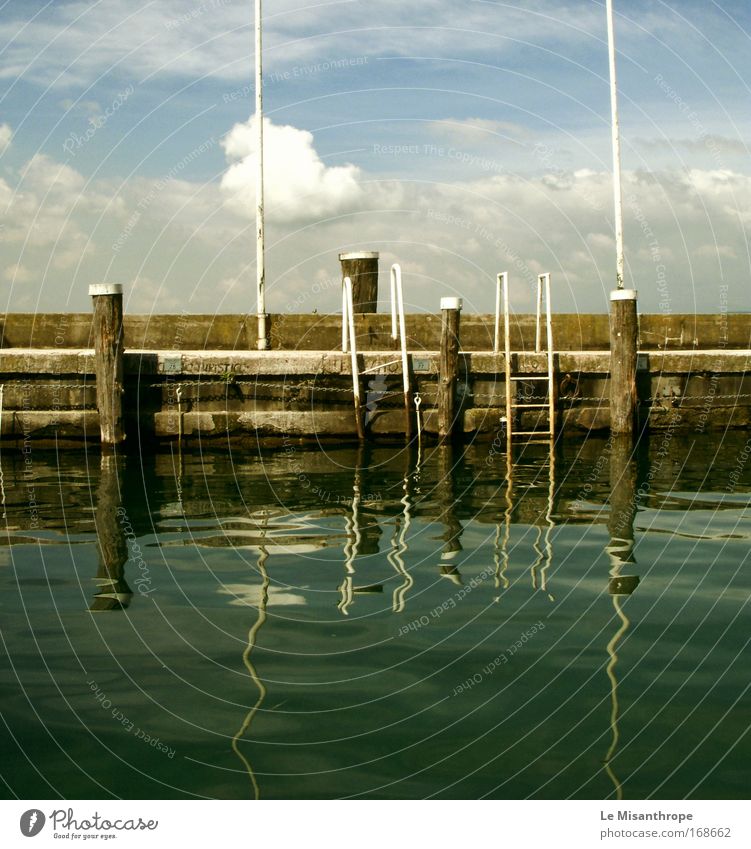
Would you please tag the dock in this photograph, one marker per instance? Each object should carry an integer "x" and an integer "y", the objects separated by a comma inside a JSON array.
[{"x": 199, "y": 377}]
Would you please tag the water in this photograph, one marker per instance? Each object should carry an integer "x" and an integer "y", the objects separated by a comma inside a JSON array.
[{"x": 333, "y": 623}]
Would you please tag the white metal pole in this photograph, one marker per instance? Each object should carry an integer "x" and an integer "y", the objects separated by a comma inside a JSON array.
[
  {"x": 617, "y": 193},
  {"x": 260, "y": 236}
]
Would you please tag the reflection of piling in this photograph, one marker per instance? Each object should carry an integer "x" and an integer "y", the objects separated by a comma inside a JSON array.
[
  {"x": 623, "y": 486},
  {"x": 624, "y": 331},
  {"x": 362, "y": 269},
  {"x": 448, "y": 367},
  {"x": 108, "y": 356},
  {"x": 113, "y": 591},
  {"x": 370, "y": 530},
  {"x": 447, "y": 499}
]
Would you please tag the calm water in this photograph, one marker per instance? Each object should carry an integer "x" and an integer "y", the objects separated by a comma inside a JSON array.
[{"x": 334, "y": 623}]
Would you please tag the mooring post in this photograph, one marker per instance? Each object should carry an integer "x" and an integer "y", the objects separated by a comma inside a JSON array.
[
  {"x": 448, "y": 367},
  {"x": 108, "y": 359},
  {"x": 624, "y": 332},
  {"x": 362, "y": 269}
]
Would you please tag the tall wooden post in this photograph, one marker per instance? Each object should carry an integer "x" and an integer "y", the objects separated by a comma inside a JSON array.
[
  {"x": 624, "y": 333},
  {"x": 362, "y": 269},
  {"x": 108, "y": 357},
  {"x": 448, "y": 367}
]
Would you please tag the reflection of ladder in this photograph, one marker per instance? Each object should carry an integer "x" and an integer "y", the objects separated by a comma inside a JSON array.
[
  {"x": 516, "y": 376},
  {"x": 544, "y": 522}
]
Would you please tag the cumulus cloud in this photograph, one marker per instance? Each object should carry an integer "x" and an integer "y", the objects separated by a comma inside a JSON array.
[
  {"x": 6, "y": 134},
  {"x": 298, "y": 186}
]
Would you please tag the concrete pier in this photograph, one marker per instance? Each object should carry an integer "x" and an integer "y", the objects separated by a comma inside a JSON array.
[{"x": 201, "y": 375}]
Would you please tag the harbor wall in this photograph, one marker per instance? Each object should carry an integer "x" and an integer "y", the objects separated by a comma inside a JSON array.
[
  {"x": 314, "y": 332},
  {"x": 197, "y": 378}
]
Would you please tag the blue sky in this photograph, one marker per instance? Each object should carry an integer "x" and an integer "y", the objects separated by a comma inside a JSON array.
[{"x": 458, "y": 138}]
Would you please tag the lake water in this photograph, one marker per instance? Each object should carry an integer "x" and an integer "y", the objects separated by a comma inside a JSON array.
[{"x": 325, "y": 623}]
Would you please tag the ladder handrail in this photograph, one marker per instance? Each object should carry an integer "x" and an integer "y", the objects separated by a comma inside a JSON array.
[
  {"x": 349, "y": 340},
  {"x": 543, "y": 291},
  {"x": 538, "y": 339},
  {"x": 397, "y": 310},
  {"x": 398, "y": 330},
  {"x": 549, "y": 334},
  {"x": 500, "y": 287}
]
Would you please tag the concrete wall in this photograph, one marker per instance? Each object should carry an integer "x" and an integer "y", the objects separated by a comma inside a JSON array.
[
  {"x": 323, "y": 332},
  {"x": 220, "y": 396}
]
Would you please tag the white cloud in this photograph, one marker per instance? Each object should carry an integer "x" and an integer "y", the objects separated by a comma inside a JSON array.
[
  {"x": 298, "y": 186},
  {"x": 189, "y": 249},
  {"x": 210, "y": 37},
  {"x": 17, "y": 273},
  {"x": 6, "y": 134},
  {"x": 708, "y": 144},
  {"x": 479, "y": 130}
]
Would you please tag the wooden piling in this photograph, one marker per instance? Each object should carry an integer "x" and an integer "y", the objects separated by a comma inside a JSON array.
[
  {"x": 624, "y": 332},
  {"x": 448, "y": 367},
  {"x": 108, "y": 359},
  {"x": 362, "y": 269}
]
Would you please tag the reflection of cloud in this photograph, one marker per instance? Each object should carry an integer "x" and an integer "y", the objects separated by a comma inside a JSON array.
[{"x": 251, "y": 595}]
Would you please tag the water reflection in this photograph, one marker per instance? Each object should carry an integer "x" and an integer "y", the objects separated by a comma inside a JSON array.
[
  {"x": 620, "y": 550},
  {"x": 252, "y": 673},
  {"x": 445, "y": 490},
  {"x": 113, "y": 592},
  {"x": 331, "y": 580},
  {"x": 398, "y": 547}
]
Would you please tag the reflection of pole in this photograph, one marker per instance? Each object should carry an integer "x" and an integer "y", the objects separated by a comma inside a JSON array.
[
  {"x": 263, "y": 343},
  {"x": 614, "y": 706},
  {"x": 113, "y": 591},
  {"x": 263, "y": 556},
  {"x": 623, "y": 487}
]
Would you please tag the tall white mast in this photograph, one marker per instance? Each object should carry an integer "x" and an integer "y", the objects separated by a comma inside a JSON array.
[
  {"x": 260, "y": 236},
  {"x": 617, "y": 192}
]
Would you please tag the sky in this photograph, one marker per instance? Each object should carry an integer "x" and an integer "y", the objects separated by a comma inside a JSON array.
[{"x": 458, "y": 138}]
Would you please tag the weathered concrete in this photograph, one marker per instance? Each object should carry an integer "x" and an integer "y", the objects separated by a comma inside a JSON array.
[
  {"x": 50, "y": 394},
  {"x": 571, "y": 332}
]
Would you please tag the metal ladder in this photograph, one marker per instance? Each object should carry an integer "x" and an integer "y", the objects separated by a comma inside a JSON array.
[
  {"x": 512, "y": 403},
  {"x": 398, "y": 333}
]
